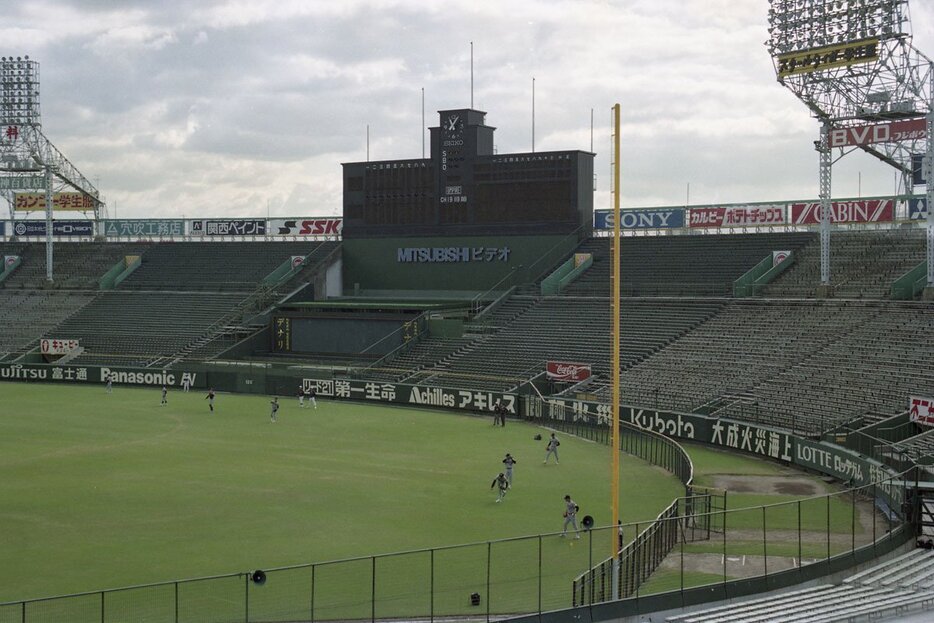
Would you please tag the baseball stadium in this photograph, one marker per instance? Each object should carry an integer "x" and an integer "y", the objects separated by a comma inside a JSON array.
[{"x": 472, "y": 396}]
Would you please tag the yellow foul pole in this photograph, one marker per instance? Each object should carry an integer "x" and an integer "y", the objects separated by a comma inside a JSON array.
[{"x": 614, "y": 475}]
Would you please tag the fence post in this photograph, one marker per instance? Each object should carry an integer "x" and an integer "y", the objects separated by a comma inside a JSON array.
[
  {"x": 800, "y": 562},
  {"x": 539, "y": 575},
  {"x": 246, "y": 597},
  {"x": 828, "y": 527},
  {"x": 431, "y": 584},
  {"x": 853, "y": 522},
  {"x": 102, "y": 606},
  {"x": 176, "y": 603},
  {"x": 373, "y": 589},
  {"x": 312, "y": 618},
  {"x": 489, "y": 550},
  {"x": 765, "y": 546}
]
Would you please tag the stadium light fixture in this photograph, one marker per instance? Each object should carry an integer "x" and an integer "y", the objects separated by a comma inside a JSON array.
[{"x": 19, "y": 91}]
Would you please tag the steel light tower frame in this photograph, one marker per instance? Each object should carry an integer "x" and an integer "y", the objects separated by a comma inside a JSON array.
[
  {"x": 853, "y": 64},
  {"x": 28, "y": 159}
]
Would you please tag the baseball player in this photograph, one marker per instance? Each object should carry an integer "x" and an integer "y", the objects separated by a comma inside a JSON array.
[
  {"x": 570, "y": 517},
  {"x": 509, "y": 461},
  {"x": 552, "y": 448},
  {"x": 274, "y": 409},
  {"x": 503, "y": 486}
]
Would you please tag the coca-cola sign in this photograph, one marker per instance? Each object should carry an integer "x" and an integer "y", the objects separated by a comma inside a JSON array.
[{"x": 567, "y": 372}]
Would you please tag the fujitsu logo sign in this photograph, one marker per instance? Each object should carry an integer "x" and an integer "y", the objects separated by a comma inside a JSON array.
[{"x": 567, "y": 372}]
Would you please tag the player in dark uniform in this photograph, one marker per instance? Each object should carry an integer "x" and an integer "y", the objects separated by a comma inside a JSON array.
[
  {"x": 310, "y": 394},
  {"x": 210, "y": 399},
  {"x": 274, "y": 409}
]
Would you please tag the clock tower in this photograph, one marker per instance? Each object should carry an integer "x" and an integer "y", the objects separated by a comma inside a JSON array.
[{"x": 456, "y": 143}]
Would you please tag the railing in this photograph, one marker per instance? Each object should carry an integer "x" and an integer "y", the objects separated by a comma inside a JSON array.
[{"x": 795, "y": 540}]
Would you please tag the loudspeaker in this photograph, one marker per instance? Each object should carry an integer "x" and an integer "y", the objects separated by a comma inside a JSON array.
[
  {"x": 258, "y": 577},
  {"x": 475, "y": 599},
  {"x": 587, "y": 522}
]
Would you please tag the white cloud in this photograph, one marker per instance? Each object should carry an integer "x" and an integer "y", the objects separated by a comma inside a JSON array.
[{"x": 218, "y": 107}]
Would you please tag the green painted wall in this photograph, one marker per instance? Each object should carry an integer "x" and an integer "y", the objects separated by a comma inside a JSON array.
[{"x": 439, "y": 263}]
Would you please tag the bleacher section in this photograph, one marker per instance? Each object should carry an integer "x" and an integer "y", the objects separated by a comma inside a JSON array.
[
  {"x": 227, "y": 266},
  {"x": 131, "y": 328},
  {"x": 76, "y": 265},
  {"x": 27, "y": 314},
  {"x": 863, "y": 264},
  {"x": 565, "y": 329},
  {"x": 896, "y": 587},
  {"x": 700, "y": 265},
  {"x": 884, "y": 355}
]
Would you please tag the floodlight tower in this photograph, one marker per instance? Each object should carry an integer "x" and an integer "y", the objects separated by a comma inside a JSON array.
[
  {"x": 29, "y": 160},
  {"x": 853, "y": 64}
]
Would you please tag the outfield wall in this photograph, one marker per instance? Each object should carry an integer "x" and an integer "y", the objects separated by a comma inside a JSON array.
[{"x": 577, "y": 416}]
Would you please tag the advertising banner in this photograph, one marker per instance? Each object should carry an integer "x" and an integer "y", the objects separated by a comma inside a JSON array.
[
  {"x": 32, "y": 202},
  {"x": 843, "y": 464},
  {"x": 57, "y": 347},
  {"x": 23, "y": 182},
  {"x": 580, "y": 258},
  {"x": 921, "y": 410},
  {"x": 143, "y": 228},
  {"x": 917, "y": 209},
  {"x": 471, "y": 400},
  {"x": 9, "y": 261},
  {"x": 737, "y": 216},
  {"x": 312, "y": 226},
  {"x": 817, "y": 59},
  {"x": 452, "y": 255},
  {"x": 865, "y": 211},
  {"x": 59, "y": 228},
  {"x": 779, "y": 256},
  {"x": 566, "y": 372},
  {"x": 891, "y": 132},
  {"x": 228, "y": 227},
  {"x": 96, "y": 374},
  {"x": 297, "y": 260},
  {"x": 282, "y": 336},
  {"x": 663, "y": 218}
]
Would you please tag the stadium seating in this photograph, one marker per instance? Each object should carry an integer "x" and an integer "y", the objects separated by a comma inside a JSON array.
[
  {"x": 564, "y": 329},
  {"x": 863, "y": 264},
  {"x": 870, "y": 357},
  {"x": 700, "y": 265},
  {"x": 131, "y": 328},
  {"x": 896, "y": 587},
  {"x": 76, "y": 265},
  {"x": 222, "y": 266},
  {"x": 27, "y": 314}
]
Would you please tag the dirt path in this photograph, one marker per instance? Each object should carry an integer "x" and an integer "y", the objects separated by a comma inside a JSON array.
[{"x": 740, "y": 562}]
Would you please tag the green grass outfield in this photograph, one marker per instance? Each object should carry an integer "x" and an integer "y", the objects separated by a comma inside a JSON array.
[{"x": 102, "y": 491}]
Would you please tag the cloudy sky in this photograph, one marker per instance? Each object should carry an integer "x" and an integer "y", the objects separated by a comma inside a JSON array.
[{"x": 247, "y": 106}]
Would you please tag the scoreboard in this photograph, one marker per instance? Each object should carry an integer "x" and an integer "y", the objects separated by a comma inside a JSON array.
[{"x": 465, "y": 188}]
